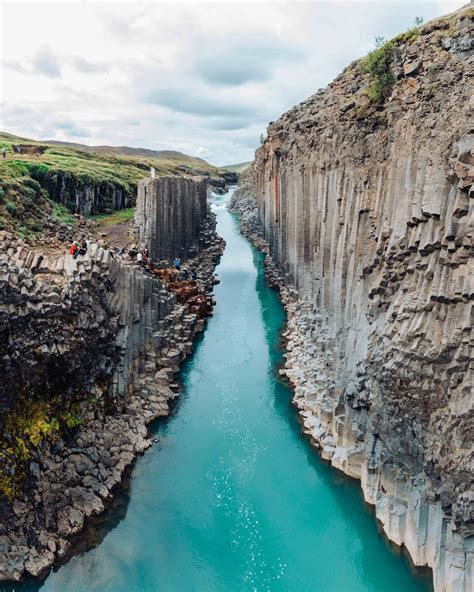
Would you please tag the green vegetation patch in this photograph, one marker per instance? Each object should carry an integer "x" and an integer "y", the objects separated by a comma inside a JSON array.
[
  {"x": 378, "y": 64},
  {"x": 24, "y": 206},
  {"x": 31, "y": 425},
  {"x": 238, "y": 168},
  {"x": 408, "y": 36},
  {"x": 118, "y": 217},
  {"x": 61, "y": 213}
]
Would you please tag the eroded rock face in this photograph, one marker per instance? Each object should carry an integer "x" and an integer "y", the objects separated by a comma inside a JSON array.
[
  {"x": 107, "y": 335},
  {"x": 86, "y": 197},
  {"x": 169, "y": 216},
  {"x": 367, "y": 213}
]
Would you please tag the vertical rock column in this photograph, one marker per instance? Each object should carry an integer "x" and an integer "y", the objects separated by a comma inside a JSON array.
[{"x": 169, "y": 216}]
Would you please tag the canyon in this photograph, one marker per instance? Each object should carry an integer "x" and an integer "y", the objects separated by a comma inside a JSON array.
[
  {"x": 365, "y": 211},
  {"x": 360, "y": 199},
  {"x": 90, "y": 347}
]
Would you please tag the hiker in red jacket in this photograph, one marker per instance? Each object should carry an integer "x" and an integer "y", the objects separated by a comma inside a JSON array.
[{"x": 73, "y": 249}]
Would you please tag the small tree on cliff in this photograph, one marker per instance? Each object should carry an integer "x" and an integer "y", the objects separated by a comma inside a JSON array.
[{"x": 378, "y": 64}]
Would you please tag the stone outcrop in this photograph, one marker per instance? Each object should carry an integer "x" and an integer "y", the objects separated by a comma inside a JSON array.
[
  {"x": 89, "y": 350},
  {"x": 367, "y": 213},
  {"x": 169, "y": 215},
  {"x": 85, "y": 196}
]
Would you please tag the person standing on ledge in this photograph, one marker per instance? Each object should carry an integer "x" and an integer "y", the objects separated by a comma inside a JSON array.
[{"x": 177, "y": 263}]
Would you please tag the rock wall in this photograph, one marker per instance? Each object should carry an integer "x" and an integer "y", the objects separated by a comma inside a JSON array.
[
  {"x": 65, "y": 323},
  {"x": 89, "y": 349},
  {"x": 367, "y": 213},
  {"x": 169, "y": 216},
  {"x": 85, "y": 196}
]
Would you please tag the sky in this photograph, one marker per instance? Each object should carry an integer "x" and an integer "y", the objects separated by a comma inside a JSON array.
[{"x": 204, "y": 78}]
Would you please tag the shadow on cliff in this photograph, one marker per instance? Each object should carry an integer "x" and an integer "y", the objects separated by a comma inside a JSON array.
[{"x": 96, "y": 528}]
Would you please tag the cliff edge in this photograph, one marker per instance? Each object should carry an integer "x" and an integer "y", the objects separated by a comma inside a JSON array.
[
  {"x": 90, "y": 345},
  {"x": 364, "y": 195}
]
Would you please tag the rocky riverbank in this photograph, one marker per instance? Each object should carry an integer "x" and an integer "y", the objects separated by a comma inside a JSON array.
[
  {"x": 348, "y": 423},
  {"x": 91, "y": 349},
  {"x": 365, "y": 203}
]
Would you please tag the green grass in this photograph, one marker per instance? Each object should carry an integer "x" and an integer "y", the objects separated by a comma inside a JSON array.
[
  {"x": 61, "y": 213},
  {"x": 408, "y": 36},
  {"x": 23, "y": 202},
  {"x": 29, "y": 182},
  {"x": 96, "y": 167},
  {"x": 118, "y": 217},
  {"x": 379, "y": 64},
  {"x": 238, "y": 168}
]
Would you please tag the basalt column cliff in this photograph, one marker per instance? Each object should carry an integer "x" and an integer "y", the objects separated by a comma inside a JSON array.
[
  {"x": 90, "y": 346},
  {"x": 366, "y": 207},
  {"x": 169, "y": 216}
]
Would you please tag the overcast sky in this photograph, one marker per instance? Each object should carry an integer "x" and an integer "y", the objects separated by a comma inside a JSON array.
[{"x": 204, "y": 78}]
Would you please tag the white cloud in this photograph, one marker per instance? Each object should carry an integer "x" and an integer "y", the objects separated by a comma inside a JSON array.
[{"x": 204, "y": 78}]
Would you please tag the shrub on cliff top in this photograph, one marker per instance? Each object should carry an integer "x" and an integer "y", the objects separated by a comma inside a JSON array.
[{"x": 378, "y": 64}]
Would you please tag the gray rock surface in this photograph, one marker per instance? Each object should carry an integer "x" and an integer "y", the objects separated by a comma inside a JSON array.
[
  {"x": 104, "y": 337},
  {"x": 169, "y": 215},
  {"x": 367, "y": 214}
]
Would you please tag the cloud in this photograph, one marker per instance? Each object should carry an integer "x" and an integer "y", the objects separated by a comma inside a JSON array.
[
  {"x": 198, "y": 103},
  {"x": 15, "y": 66},
  {"x": 88, "y": 67},
  {"x": 46, "y": 63},
  {"x": 231, "y": 72},
  {"x": 229, "y": 123},
  {"x": 188, "y": 76},
  {"x": 245, "y": 60},
  {"x": 71, "y": 129}
]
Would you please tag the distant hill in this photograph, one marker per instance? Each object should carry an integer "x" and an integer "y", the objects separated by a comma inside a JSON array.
[
  {"x": 37, "y": 175},
  {"x": 237, "y": 168},
  {"x": 129, "y": 151}
]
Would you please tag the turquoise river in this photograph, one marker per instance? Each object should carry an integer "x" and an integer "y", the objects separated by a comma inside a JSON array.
[{"x": 232, "y": 497}]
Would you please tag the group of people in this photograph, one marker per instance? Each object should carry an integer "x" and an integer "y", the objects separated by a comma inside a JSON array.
[
  {"x": 75, "y": 249},
  {"x": 142, "y": 257}
]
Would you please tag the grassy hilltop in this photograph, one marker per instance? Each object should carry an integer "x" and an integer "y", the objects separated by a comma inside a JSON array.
[
  {"x": 30, "y": 180},
  {"x": 238, "y": 168}
]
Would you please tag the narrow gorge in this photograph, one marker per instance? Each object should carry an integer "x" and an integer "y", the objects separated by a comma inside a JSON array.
[
  {"x": 366, "y": 213},
  {"x": 255, "y": 377}
]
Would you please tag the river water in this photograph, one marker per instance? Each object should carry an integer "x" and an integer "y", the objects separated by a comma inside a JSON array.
[{"x": 232, "y": 497}]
